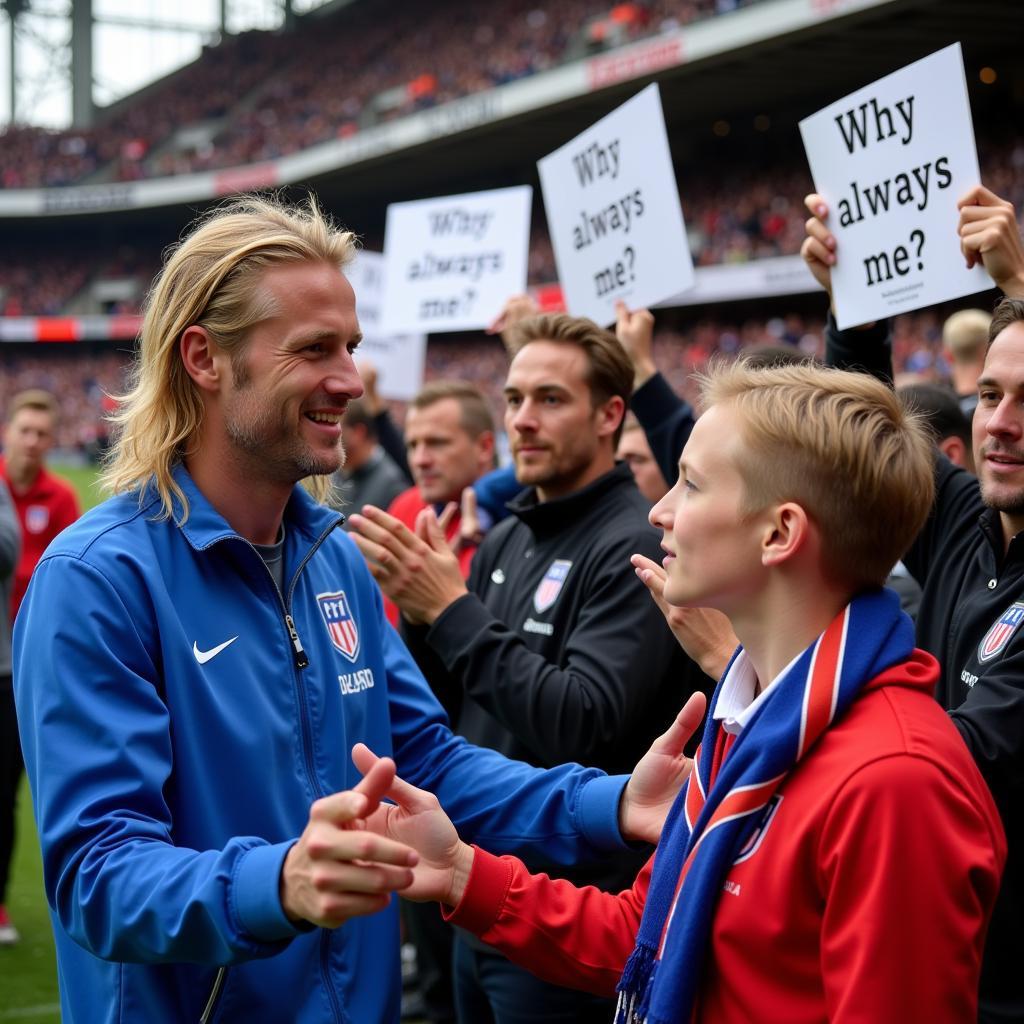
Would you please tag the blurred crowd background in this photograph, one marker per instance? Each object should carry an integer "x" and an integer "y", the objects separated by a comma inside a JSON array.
[{"x": 262, "y": 95}]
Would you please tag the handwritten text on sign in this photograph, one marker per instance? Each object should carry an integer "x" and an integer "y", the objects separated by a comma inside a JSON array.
[
  {"x": 451, "y": 263},
  {"x": 613, "y": 211},
  {"x": 891, "y": 161}
]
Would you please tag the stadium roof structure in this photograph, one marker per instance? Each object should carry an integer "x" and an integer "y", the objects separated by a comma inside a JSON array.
[{"x": 50, "y": 49}]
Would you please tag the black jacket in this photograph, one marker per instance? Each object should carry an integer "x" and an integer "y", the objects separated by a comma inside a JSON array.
[
  {"x": 968, "y": 585},
  {"x": 667, "y": 420}
]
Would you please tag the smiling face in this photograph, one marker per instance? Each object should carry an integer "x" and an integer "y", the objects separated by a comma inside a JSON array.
[
  {"x": 712, "y": 544},
  {"x": 560, "y": 441},
  {"x": 286, "y": 391},
  {"x": 999, "y": 428}
]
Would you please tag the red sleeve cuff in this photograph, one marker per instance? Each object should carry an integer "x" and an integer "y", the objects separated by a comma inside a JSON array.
[{"x": 482, "y": 902}]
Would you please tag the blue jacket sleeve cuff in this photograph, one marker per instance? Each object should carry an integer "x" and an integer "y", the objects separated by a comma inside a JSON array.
[
  {"x": 598, "y": 811},
  {"x": 257, "y": 893}
]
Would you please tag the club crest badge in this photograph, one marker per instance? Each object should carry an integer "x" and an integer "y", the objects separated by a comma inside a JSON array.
[
  {"x": 996, "y": 639},
  {"x": 341, "y": 626},
  {"x": 37, "y": 518},
  {"x": 756, "y": 837},
  {"x": 550, "y": 587}
]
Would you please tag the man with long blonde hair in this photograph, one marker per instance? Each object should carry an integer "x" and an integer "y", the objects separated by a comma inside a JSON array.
[{"x": 196, "y": 657}]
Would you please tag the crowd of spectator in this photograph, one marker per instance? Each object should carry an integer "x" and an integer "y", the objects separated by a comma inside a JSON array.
[
  {"x": 85, "y": 377},
  {"x": 38, "y": 279},
  {"x": 262, "y": 95},
  {"x": 120, "y": 146},
  {"x": 733, "y": 214}
]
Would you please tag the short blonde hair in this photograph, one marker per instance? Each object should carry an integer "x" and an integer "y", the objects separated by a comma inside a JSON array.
[
  {"x": 210, "y": 279},
  {"x": 843, "y": 447},
  {"x": 965, "y": 335},
  {"x": 34, "y": 398}
]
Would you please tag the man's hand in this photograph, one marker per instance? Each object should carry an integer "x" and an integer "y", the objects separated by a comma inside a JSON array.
[
  {"x": 989, "y": 235},
  {"x": 819, "y": 247},
  {"x": 471, "y": 528},
  {"x": 418, "y": 571},
  {"x": 470, "y": 532},
  {"x": 635, "y": 330},
  {"x": 337, "y": 870},
  {"x": 416, "y": 819},
  {"x": 659, "y": 776},
  {"x": 705, "y": 634},
  {"x": 371, "y": 396},
  {"x": 517, "y": 308}
]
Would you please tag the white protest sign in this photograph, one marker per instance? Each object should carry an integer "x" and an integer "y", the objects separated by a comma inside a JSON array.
[
  {"x": 399, "y": 359},
  {"x": 891, "y": 160},
  {"x": 451, "y": 263},
  {"x": 613, "y": 211}
]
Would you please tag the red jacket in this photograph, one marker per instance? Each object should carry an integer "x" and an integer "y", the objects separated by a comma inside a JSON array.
[
  {"x": 47, "y": 507},
  {"x": 866, "y": 897}
]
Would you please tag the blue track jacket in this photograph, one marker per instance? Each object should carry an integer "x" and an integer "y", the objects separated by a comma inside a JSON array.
[{"x": 179, "y": 715}]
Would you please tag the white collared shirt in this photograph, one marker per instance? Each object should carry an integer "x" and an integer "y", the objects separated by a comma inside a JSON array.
[{"x": 738, "y": 700}]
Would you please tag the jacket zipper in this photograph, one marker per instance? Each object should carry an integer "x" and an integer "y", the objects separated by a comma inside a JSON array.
[
  {"x": 301, "y": 661},
  {"x": 211, "y": 1002},
  {"x": 301, "y": 658}
]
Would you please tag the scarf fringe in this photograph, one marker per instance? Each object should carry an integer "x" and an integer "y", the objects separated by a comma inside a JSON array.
[{"x": 635, "y": 984}]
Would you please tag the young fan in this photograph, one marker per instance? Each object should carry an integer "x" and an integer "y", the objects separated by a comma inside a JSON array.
[{"x": 835, "y": 854}]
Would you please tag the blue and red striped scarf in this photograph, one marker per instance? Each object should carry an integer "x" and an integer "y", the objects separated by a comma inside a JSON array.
[{"x": 715, "y": 814}]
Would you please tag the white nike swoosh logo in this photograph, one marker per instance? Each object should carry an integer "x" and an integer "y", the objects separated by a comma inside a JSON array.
[{"x": 204, "y": 656}]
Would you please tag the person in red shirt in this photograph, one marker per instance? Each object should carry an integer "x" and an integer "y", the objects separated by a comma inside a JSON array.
[
  {"x": 835, "y": 854},
  {"x": 449, "y": 440},
  {"x": 44, "y": 504}
]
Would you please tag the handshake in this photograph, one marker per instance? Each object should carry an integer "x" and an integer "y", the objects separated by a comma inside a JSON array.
[{"x": 357, "y": 849}]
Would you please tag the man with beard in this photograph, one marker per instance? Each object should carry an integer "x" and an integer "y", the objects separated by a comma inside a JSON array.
[
  {"x": 558, "y": 651},
  {"x": 969, "y": 560},
  {"x": 196, "y": 656}
]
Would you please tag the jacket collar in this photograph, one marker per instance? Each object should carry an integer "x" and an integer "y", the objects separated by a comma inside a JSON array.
[
  {"x": 205, "y": 525},
  {"x": 546, "y": 516}
]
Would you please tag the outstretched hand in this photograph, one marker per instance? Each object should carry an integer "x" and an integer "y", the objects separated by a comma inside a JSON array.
[
  {"x": 659, "y": 776},
  {"x": 705, "y": 634},
  {"x": 417, "y": 820},
  {"x": 337, "y": 870}
]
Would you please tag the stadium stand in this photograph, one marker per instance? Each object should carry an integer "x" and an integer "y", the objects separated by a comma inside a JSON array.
[
  {"x": 262, "y": 95},
  {"x": 85, "y": 375},
  {"x": 733, "y": 215}
]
